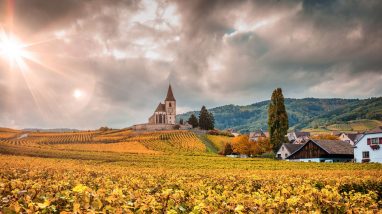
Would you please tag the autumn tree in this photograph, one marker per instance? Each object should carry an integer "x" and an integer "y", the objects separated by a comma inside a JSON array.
[
  {"x": 242, "y": 145},
  {"x": 277, "y": 120},
  {"x": 206, "y": 119},
  {"x": 193, "y": 121},
  {"x": 261, "y": 146}
]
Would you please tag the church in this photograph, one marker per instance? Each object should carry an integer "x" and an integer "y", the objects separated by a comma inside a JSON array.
[
  {"x": 165, "y": 113},
  {"x": 164, "y": 116}
]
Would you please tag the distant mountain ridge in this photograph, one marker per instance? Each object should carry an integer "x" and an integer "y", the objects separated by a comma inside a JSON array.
[{"x": 302, "y": 113}]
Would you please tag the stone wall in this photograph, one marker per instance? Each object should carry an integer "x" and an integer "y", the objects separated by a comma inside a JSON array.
[{"x": 157, "y": 127}]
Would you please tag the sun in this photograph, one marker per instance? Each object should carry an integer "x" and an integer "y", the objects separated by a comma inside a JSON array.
[
  {"x": 78, "y": 93},
  {"x": 12, "y": 49}
]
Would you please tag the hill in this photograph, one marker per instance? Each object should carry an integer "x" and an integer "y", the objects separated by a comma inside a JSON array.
[
  {"x": 302, "y": 113},
  {"x": 117, "y": 141}
]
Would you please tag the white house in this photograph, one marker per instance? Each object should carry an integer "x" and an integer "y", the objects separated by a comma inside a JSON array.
[
  {"x": 287, "y": 149},
  {"x": 298, "y": 137},
  {"x": 254, "y": 136},
  {"x": 368, "y": 147},
  {"x": 350, "y": 137}
]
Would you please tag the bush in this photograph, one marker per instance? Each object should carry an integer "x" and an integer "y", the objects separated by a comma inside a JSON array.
[
  {"x": 222, "y": 133},
  {"x": 177, "y": 127}
]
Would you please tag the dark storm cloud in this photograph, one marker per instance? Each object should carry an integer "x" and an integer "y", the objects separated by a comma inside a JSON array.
[{"x": 123, "y": 53}]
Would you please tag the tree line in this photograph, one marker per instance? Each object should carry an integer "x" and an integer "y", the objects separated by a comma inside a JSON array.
[{"x": 206, "y": 120}]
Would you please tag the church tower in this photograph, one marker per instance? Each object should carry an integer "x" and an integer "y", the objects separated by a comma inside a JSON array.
[{"x": 170, "y": 105}]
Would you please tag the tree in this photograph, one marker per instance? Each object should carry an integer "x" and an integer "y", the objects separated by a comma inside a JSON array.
[
  {"x": 242, "y": 145},
  {"x": 228, "y": 149},
  {"x": 181, "y": 122},
  {"x": 261, "y": 146},
  {"x": 277, "y": 120},
  {"x": 193, "y": 121},
  {"x": 206, "y": 119},
  {"x": 211, "y": 121}
]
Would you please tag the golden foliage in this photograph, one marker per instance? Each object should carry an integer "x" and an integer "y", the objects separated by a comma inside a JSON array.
[
  {"x": 41, "y": 185},
  {"x": 219, "y": 141},
  {"x": 124, "y": 147},
  {"x": 324, "y": 137},
  {"x": 241, "y": 144}
]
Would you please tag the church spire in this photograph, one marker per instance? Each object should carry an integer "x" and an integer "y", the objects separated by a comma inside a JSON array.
[{"x": 170, "y": 95}]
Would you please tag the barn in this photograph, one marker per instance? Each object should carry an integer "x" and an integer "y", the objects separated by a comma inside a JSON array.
[{"x": 323, "y": 151}]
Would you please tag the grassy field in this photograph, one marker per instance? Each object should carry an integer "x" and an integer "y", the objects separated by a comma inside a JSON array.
[{"x": 90, "y": 177}]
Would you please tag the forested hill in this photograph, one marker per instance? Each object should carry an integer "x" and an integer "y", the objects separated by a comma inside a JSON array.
[{"x": 302, "y": 113}]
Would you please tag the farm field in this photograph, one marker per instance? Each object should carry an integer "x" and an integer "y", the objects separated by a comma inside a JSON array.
[{"x": 90, "y": 177}]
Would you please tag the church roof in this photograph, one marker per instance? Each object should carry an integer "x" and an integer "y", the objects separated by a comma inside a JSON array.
[
  {"x": 170, "y": 95},
  {"x": 161, "y": 108}
]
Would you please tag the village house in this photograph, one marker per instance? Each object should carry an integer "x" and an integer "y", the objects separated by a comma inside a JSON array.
[
  {"x": 254, "y": 136},
  {"x": 298, "y": 137},
  {"x": 350, "y": 138},
  {"x": 323, "y": 151},
  {"x": 287, "y": 149},
  {"x": 367, "y": 148}
]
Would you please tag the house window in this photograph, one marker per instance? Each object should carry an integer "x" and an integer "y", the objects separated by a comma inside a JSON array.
[
  {"x": 374, "y": 141},
  {"x": 365, "y": 155},
  {"x": 169, "y": 104}
]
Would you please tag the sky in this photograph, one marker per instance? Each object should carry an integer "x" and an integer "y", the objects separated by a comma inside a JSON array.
[{"x": 91, "y": 63}]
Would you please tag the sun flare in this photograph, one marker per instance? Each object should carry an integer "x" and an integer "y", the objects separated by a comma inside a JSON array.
[{"x": 12, "y": 48}]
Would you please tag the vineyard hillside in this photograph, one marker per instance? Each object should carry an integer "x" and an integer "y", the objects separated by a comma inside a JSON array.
[{"x": 124, "y": 141}]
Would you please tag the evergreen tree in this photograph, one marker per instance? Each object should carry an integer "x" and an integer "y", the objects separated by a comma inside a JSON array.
[
  {"x": 206, "y": 119},
  {"x": 193, "y": 121},
  {"x": 277, "y": 120},
  {"x": 211, "y": 121},
  {"x": 181, "y": 122}
]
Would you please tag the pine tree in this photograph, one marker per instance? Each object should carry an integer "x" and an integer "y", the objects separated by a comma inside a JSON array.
[
  {"x": 277, "y": 120},
  {"x": 193, "y": 121},
  {"x": 211, "y": 121},
  {"x": 206, "y": 119},
  {"x": 181, "y": 121}
]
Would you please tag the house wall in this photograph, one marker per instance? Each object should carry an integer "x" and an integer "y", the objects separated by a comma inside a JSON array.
[
  {"x": 282, "y": 153},
  {"x": 322, "y": 160},
  {"x": 344, "y": 137},
  {"x": 361, "y": 146}
]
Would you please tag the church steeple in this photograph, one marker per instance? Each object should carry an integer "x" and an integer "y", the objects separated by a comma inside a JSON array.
[{"x": 170, "y": 95}]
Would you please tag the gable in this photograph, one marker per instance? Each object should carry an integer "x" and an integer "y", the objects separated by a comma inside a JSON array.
[{"x": 308, "y": 150}]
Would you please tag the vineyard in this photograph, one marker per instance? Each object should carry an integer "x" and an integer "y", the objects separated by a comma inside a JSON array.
[
  {"x": 122, "y": 171},
  {"x": 186, "y": 184},
  {"x": 219, "y": 141},
  {"x": 112, "y": 141}
]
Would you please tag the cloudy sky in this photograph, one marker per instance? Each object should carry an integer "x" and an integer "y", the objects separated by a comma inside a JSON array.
[{"x": 89, "y": 63}]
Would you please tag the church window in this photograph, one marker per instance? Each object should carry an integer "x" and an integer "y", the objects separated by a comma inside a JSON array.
[{"x": 169, "y": 105}]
